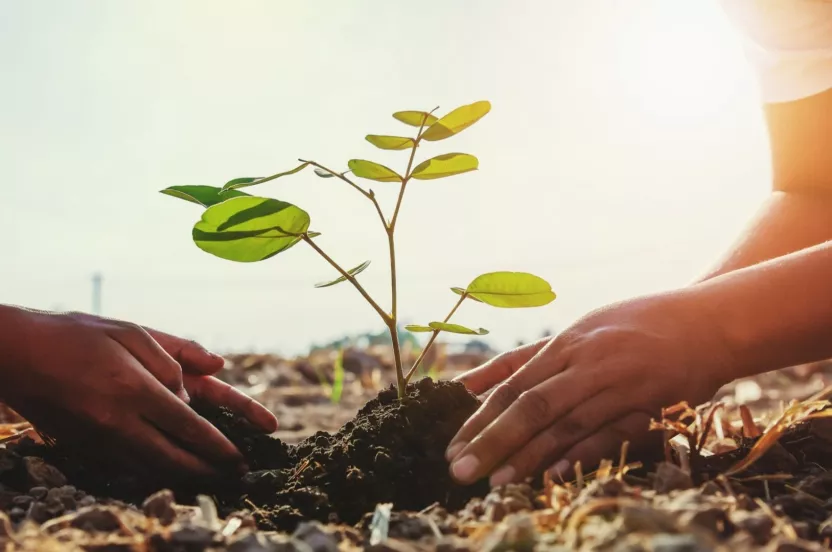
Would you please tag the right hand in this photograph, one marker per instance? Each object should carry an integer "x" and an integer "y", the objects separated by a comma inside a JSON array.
[{"x": 96, "y": 381}]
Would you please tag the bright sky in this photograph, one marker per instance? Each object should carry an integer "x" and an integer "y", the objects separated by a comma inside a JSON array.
[{"x": 624, "y": 152}]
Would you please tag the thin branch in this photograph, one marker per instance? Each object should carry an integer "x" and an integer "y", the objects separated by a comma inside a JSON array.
[
  {"x": 416, "y": 141},
  {"x": 351, "y": 278},
  {"x": 432, "y": 339},
  {"x": 366, "y": 193}
]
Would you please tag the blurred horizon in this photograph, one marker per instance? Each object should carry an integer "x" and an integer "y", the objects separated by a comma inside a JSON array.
[{"x": 624, "y": 152}]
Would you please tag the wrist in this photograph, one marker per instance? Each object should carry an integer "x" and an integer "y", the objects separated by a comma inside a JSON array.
[{"x": 17, "y": 341}]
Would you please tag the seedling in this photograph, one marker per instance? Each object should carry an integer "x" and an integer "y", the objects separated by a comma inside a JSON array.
[{"x": 240, "y": 227}]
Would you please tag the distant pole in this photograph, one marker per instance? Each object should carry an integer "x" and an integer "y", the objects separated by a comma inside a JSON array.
[{"x": 96, "y": 293}]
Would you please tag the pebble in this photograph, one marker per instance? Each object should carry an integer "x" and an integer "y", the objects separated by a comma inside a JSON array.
[
  {"x": 312, "y": 534},
  {"x": 160, "y": 506}
]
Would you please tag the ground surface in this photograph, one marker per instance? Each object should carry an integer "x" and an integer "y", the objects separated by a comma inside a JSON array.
[{"x": 782, "y": 502}]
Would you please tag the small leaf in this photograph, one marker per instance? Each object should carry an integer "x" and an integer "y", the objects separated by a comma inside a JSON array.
[
  {"x": 416, "y": 328},
  {"x": 373, "y": 171},
  {"x": 201, "y": 195},
  {"x": 352, "y": 272},
  {"x": 390, "y": 142},
  {"x": 445, "y": 165},
  {"x": 456, "y": 328},
  {"x": 415, "y": 118},
  {"x": 461, "y": 291},
  {"x": 312, "y": 234},
  {"x": 456, "y": 121},
  {"x": 511, "y": 290},
  {"x": 248, "y": 181},
  {"x": 248, "y": 229},
  {"x": 322, "y": 173}
]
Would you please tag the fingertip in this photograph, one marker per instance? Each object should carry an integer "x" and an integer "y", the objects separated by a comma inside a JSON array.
[{"x": 454, "y": 449}]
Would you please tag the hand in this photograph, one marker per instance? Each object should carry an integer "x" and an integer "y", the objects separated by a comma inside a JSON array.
[
  {"x": 94, "y": 380},
  {"x": 580, "y": 395}
]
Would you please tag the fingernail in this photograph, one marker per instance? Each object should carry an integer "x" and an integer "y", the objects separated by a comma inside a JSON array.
[
  {"x": 454, "y": 449},
  {"x": 183, "y": 394},
  {"x": 503, "y": 476},
  {"x": 465, "y": 468},
  {"x": 560, "y": 468}
]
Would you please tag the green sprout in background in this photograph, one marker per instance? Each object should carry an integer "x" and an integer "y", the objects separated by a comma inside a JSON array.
[{"x": 240, "y": 227}]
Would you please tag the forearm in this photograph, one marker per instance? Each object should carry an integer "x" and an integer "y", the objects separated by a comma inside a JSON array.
[
  {"x": 787, "y": 222},
  {"x": 775, "y": 314}
]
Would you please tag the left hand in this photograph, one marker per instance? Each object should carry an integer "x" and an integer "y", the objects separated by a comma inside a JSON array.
[{"x": 580, "y": 395}]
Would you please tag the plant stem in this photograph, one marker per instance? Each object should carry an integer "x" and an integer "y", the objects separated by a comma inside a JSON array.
[
  {"x": 384, "y": 316},
  {"x": 401, "y": 380},
  {"x": 431, "y": 340}
]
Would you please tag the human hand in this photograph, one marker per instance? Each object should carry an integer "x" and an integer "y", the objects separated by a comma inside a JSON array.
[
  {"x": 90, "y": 379},
  {"x": 580, "y": 395}
]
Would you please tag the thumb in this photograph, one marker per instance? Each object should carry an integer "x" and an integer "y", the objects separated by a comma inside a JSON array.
[
  {"x": 481, "y": 379},
  {"x": 193, "y": 357}
]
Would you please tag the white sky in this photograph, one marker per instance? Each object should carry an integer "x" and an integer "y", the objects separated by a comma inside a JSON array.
[{"x": 625, "y": 150}]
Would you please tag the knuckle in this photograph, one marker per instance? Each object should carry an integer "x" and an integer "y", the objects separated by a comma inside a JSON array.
[
  {"x": 504, "y": 396},
  {"x": 534, "y": 405},
  {"x": 571, "y": 425}
]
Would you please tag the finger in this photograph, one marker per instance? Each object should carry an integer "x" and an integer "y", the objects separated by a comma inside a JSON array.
[
  {"x": 220, "y": 393},
  {"x": 547, "y": 362},
  {"x": 193, "y": 357},
  {"x": 150, "y": 354},
  {"x": 560, "y": 400},
  {"x": 191, "y": 431},
  {"x": 160, "y": 451},
  {"x": 604, "y": 444},
  {"x": 551, "y": 444},
  {"x": 481, "y": 379}
]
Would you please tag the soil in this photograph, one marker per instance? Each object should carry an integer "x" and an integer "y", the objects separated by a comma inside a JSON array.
[{"x": 392, "y": 451}]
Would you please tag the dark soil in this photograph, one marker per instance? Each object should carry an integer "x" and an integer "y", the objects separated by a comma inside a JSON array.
[{"x": 391, "y": 451}]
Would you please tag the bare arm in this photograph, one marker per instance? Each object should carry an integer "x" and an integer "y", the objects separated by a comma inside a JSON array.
[{"x": 799, "y": 213}]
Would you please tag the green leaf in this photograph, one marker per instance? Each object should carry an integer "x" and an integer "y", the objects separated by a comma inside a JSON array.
[
  {"x": 511, "y": 290},
  {"x": 415, "y": 118},
  {"x": 352, "y": 272},
  {"x": 390, "y": 142},
  {"x": 456, "y": 328},
  {"x": 201, "y": 195},
  {"x": 445, "y": 165},
  {"x": 248, "y": 229},
  {"x": 249, "y": 181},
  {"x": 322, "y": 173},
  {"x": 461, "y": 291},
  {"x": 416, "y": 328},
  {"x": 312, "y": 234},
  {"x": 337, "y": 378},
  {"x": 456, "y": 121},
  {"x": 373, "y": 171}
]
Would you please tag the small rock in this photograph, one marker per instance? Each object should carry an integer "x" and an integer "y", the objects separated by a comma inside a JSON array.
[
  {"x": 758, "y": 524},
  {"x": 517, "y": 532},
  {"x": 666, "y": 542},
  {"x": 713, "y": 519},
  {"x": 97, "y": 519},
  {"x": 253, "y": 542},
  {"x": 38, "y": 493},
  {"x": 22, "y": 501},
  {"x": 17, "y": 513},
  {"x": 312, "y": 534},
  {"x": 42, "y": 474},
  {"x": 38, "y": 512},
  {"x": 160, "y": 506},
  {"x": 670, "y": 477},
  {"x": 86, "y": 501},
  {"x": 192, "y": 537}
]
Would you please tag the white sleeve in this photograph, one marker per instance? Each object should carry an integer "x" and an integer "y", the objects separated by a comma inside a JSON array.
[{"x": 788, "y": 43}]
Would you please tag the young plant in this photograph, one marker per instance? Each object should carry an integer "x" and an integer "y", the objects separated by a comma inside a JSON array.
[{"x": 240, "y": 227}]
